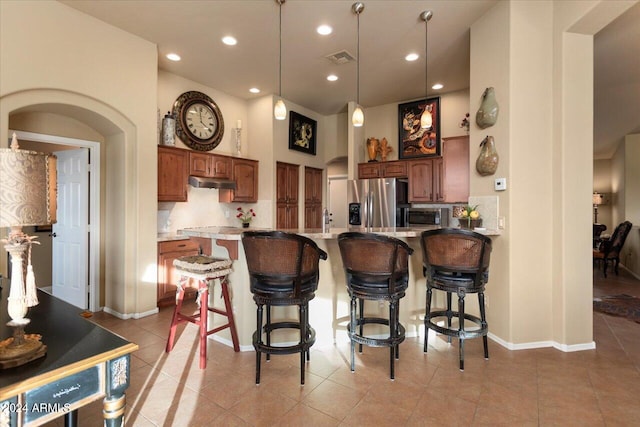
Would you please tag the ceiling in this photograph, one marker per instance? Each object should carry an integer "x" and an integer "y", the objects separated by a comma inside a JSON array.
[{"x": 389, "y": 30}]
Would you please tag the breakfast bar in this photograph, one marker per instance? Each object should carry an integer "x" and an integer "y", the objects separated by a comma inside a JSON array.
[{"x": 329, "y": 310}]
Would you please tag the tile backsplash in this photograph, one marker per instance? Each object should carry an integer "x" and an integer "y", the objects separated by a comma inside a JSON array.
[{"x": 488, "y": 206}]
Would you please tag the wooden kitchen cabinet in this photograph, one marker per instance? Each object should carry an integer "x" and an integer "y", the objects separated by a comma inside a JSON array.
[
  {"x": 173, "y": 173},
  {"x": 455, "y": 152},
  {"x": 209, "y": 165},
  {"x": 168, "y": 278},
  {"x": 286, "y": 195},
  {"x": 369, "y": 170},
  {"x": 245, "y": 174},
  {"x": 426, "y": 180},
  {"x": 312, "y": 197},
  {"x": 394, "y": 169},
  {"x": 391, "y": 169}
]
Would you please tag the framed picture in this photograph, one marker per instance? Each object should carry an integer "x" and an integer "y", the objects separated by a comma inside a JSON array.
[
  {"x": 413, "y": 140},
  {"x": 302, "y": 133}
]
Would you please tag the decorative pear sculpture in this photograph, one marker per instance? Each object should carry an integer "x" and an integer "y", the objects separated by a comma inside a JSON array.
[
  {"x": 487, "y": 114},
  {"x": 373, "y": 146},
  {"x": 487, "y": 162}
]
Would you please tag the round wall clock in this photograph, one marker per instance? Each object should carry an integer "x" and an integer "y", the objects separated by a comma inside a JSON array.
[{"x": 199, "y": 122}]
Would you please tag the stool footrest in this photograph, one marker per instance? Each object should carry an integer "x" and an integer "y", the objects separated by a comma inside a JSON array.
[
  {"x": 375, "y": 342},
  {"x": 289, "y": 349},
  {"x": 454, "y": 332}
]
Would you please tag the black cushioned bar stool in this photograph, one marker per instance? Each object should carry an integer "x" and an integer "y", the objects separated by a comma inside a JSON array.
[
  {"x": 284, "y": 271},
  {"x": 377, "y": 268},
  {"x": 456, "y": 261}
]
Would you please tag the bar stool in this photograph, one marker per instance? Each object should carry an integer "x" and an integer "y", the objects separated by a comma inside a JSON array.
[
  {"x": 456, "y": 261},
  {"x": 283, "y": 271},
  {"x": 204, "y": 269},
  {"x": 377, "y": 268}
]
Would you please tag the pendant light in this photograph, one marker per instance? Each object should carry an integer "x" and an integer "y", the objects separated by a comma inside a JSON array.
[
  {"x": 280, "y": 110},
  {"x": 426, "y": 121},
  {"x": 358, "y": 115}
]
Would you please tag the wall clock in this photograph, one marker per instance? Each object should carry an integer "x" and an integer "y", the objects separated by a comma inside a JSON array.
[{"x": 199, "y": 122}]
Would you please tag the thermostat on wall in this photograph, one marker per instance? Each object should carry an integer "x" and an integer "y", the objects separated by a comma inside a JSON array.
[{"x": 500, "y": 184}]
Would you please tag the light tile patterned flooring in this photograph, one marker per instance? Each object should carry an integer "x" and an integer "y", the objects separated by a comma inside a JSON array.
[{"x": 539, "y": 387}]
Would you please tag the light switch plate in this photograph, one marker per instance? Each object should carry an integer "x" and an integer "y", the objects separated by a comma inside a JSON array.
[{"x": 500, "y": 184}]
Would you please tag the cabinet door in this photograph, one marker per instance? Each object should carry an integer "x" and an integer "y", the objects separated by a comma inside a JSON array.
[
  {"x": 455, "y": 152},
  {"x": 395, "y": 169},
  {"x": 421, "y": 181},
  {"x": 173, "y": 172},
  {"x": 369, "y": 170},
  {"x": 245, "y": 174},
  {"x": 168, "y": 277},
  {"x": 199, "y": 164},
  {"x": 312, "y": 185},
  {"x": 286, "y": 183},
  {"x": 221, "y": 167}
]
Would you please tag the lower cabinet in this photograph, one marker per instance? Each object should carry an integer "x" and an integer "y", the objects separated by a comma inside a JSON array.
[{"x": 168, "y": 278}]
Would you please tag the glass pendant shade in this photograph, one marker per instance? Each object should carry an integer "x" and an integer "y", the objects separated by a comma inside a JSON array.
[
  {"x": 280, "y": 110},
  {"x": 358, "y": 117},
  {"x": 426, "y": 121}
]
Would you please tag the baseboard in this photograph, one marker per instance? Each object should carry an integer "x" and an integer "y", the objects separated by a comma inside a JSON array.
[
  {"x": 630, "y": 272},
  {"x": 131, "y": 315},
  {"x": 543, "y": 344}
]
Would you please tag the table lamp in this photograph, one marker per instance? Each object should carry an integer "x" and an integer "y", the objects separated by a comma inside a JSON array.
[
  {"x": 597, "y": 200},
  {"x": 27, "y": 198}
]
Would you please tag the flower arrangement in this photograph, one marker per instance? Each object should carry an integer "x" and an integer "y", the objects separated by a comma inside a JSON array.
[
  {"x": 245, "y": 216},
  {"x": 464, "y": 124},
  {"x": 470, "y": 217}
]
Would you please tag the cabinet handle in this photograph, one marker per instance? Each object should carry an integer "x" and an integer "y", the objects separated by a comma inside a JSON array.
[{"x": 182, "y": 246}]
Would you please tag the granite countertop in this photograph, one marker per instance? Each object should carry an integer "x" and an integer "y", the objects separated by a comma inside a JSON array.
[
  {"x": 168, "y": 237},
  {"x": 233, "y": 233}
]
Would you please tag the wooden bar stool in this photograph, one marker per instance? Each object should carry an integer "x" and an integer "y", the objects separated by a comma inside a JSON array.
[{"x": 204, "y": 269}]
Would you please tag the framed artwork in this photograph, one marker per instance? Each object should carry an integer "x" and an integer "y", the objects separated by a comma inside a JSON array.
[
  {"x": 302, "y": 133},
  {"x": 413, "y": 140}
]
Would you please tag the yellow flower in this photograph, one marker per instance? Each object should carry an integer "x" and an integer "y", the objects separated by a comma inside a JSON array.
[
  {"x": 474, "y": 215},
  {"x": 465, "y": 214}
]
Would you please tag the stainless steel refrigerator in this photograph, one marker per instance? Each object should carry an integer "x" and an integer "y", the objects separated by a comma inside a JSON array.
[{"x": 372, "y": 203}]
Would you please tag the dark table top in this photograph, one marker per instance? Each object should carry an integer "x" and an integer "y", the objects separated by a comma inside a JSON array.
[{"x": 73, "y": 344}]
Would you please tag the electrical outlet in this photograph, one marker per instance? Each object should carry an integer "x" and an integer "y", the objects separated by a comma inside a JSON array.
[
  {"x": 226, "y": 213},
  {"x": 501, "y": 221}
]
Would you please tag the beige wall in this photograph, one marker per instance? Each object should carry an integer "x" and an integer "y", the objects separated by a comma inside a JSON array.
[
  {"x": 602, "y": 184},
  {"x": 106, "y": 79}
]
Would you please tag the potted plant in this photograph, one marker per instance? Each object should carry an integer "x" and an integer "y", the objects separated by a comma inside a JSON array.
[
  {"x": 245, "y": 216},
  {"x": 470, "y": 217}
]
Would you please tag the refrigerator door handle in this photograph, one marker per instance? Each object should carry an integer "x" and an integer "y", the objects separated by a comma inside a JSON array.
[{"x": 371, "y": 205}]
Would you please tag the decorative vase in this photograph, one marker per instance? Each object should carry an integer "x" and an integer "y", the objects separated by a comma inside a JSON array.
[
  {"x": 169, "y": 129},
  {"x": 487, "y": 162},
  {"x": 372, "y": 148},
  {"x": 487, "y": 114},
  {"x": 245, "y": 225},
  {"x": 384, "y": 149},
  {"x": 470, "y": 224}
]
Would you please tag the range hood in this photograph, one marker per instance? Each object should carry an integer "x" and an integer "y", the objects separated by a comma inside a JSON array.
[{"x": 202, "y": 182}]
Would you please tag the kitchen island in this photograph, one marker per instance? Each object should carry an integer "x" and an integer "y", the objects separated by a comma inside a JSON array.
[{"x": 329, "y": 311}]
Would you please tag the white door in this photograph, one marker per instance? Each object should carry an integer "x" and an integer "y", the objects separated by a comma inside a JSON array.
[
  {"x": 338, "y": 206},
  {"x": 71, "y": 232}
]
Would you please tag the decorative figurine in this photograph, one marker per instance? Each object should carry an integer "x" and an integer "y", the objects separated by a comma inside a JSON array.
[
  {"x": 487, "y": 162},
  {"x": 384, "y": 149},
  {"x": 487, "y": 114}
]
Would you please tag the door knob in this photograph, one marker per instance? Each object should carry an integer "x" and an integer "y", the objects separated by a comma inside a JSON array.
[{"x": 53, "y": 235}]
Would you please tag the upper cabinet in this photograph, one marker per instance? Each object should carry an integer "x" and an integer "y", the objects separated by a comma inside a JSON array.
[
  {"x": 173, "y": 173},
  {"x": 245, "y": 174},
  {"x": 432, "y": 179},
  {"x": 176, "y": 164},
  {"x": 455, "y": 152},
  {"x": 209, "y": 165},
  {"x": 425, "y": 180}
]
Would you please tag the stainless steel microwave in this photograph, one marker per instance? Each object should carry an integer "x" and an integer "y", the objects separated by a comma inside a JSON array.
[{"x": 424, "y": 217}]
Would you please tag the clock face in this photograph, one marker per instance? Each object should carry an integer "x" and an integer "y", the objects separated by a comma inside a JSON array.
[{"x": 199, "y": 121}]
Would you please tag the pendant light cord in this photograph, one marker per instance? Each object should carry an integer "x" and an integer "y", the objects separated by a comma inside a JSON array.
[
  {"x": 358, "y": 64},
  {"x": 280, "y": 53},
  {"x": 426, "y": 61}
]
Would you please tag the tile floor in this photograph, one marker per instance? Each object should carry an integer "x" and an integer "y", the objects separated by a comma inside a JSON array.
[{"x": 515, "y": 388}]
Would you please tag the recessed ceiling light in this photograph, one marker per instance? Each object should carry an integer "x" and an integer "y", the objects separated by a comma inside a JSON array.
[
  {"x": 412, "y": 57},
  {"x": 229, "y": 41},
  {"x": 332, "y": 77},
  {"x": 254, "y": 90},
  {"x": 437, "y": 86},
  {"x": 173, "y": 57},
  {"x": 324, "y": 30}
]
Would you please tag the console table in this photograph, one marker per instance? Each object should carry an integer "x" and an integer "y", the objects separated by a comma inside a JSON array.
[{"x": 84, "y": 362}]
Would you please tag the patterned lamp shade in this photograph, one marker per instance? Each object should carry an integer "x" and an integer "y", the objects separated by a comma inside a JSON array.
[{"x": 27, "y": 187}]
